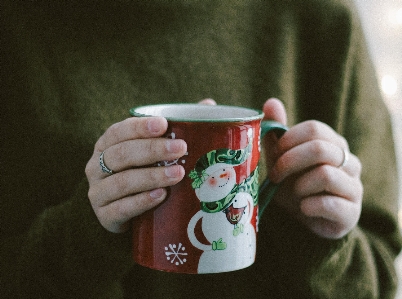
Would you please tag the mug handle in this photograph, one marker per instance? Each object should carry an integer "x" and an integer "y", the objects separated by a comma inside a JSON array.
[{"x": 267, "y": 188}]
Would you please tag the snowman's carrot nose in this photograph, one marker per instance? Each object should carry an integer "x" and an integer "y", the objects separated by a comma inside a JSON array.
[{"x": 223, "y": 175}]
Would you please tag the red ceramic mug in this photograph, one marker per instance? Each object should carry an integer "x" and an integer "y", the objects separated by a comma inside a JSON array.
[{"x": 209, "y": 221}]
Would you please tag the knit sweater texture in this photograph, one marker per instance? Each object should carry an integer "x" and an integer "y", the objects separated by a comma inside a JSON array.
[{"x": 70, "y": 69}]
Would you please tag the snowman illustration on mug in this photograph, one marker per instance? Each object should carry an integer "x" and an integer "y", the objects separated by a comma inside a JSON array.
[{"x": 226, "y": 210}]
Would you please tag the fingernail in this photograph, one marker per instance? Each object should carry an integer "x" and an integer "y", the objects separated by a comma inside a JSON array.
[
  {"x": 154, "y": 125},
  {"x": 172, "y": 171},
  {"x": 157, "y": 193},
  {"x": 174, "y": 146}
]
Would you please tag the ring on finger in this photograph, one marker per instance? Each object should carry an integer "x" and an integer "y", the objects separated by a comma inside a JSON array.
[
  {"x": 103, "y": 166},
  {"x": 345, "y": 158}
]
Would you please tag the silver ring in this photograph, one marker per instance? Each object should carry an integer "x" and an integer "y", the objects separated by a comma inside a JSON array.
[
  {"x": 345, "y": 158},
  {"x": 104, "y": 168}
]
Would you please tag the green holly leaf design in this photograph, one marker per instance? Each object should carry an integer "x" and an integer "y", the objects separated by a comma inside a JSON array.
[{"x": 198, "y": 178}]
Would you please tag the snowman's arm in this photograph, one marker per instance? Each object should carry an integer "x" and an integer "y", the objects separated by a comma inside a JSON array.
[
  {"x": 250, "y": 202},
  {"x": 191, "y": 233}
]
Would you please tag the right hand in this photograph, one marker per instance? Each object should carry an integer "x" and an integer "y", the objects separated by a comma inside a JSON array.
[
  {"x": 134, "y": 187},
  {"x": 317, "y": 188}
]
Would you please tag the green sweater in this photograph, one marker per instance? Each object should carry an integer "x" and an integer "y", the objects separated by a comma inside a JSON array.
[{"x": 70, "y": 69}]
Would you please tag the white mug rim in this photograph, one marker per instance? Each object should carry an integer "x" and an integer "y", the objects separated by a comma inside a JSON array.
[{"x": 250, "y": 113}]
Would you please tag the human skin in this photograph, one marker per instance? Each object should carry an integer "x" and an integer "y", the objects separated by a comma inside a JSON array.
[{"x": 314, "y": 189}]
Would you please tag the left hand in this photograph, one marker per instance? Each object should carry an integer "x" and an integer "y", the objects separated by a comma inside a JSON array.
[{"x": 315, "y": 188}]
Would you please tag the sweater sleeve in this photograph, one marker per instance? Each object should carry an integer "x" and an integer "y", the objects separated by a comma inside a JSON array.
[
  {"x": 360, "y": 265},
  {"x": 51, "y": 243},
  {"x": 301, "y": 264},
  {"x": 65, "y": 254}
]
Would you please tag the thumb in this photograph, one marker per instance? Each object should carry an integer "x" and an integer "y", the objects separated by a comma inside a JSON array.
[
  {"x": 275, "y": 110},
  {"x": 207, "y": 102}
]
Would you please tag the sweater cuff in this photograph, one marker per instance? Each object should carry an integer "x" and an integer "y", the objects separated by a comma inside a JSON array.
[
  {"x": 290, "y": 250},
  {"x": 69, "y": 249}
]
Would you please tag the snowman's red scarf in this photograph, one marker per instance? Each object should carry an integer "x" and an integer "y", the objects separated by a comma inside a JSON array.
[{"x": 249, "y": 185}]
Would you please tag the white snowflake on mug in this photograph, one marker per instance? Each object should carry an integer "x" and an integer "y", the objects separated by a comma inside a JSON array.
[
  {"x": 175, "y": 161},
  {"x": 176, "y": 254}
]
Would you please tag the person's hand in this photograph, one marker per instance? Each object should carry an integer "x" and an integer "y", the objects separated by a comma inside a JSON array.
[
  {"x": 129, "y": 148},
  {"x": 320, "y": 178}
]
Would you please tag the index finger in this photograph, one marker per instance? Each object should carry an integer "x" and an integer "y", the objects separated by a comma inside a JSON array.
[
  {"x": 308, "y": 131},
  {"x": 130, "y": 129}
]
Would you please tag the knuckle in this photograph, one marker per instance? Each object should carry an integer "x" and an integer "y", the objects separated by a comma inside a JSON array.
[
  {"x": 318, "y": 148},
  {"x": 99, "y": 212},
  {"x": 284, "y": 162},
  {"x": 359, "y": 190},
  {"x": 91, "y": 194},
  {"x": 110, "y": 134},
  {"x": 112, "y": 217},
  {"x": 313, "y": 128},
  {"x": 152, "y": 146},
  {"x": 88, "y": 169},
  {"x": 113, "y": 129},
  {"x": 327, "y": 174},
  {"x": 327, "y": 171},
  {"x": 100, "y": 144},
  {"x": 344, "y": 142},
  {"x": 359, "y": 166},
  {"x": 103, "y": 217}
]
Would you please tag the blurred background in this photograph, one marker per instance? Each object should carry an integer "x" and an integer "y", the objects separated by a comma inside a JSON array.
[{"x": 382, "y": 22}]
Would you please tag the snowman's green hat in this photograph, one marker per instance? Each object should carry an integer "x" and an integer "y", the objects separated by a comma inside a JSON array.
[{"x": 221, "y": 156}]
